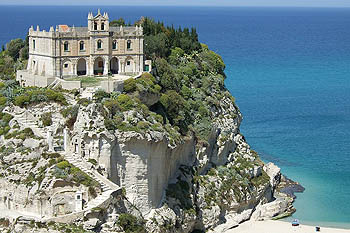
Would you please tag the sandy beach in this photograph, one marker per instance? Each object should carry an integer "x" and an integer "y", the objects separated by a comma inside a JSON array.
[{"x": 271, "y": 226}]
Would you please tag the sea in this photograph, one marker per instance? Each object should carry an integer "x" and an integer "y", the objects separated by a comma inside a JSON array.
[{"x": 289, "y": 70}]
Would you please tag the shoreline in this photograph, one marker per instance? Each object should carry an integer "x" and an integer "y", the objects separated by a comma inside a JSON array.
[{"x": 278, "y": 226}]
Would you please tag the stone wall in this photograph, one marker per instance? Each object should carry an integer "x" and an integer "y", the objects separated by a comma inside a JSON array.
[{"x": 27, "y": 79}]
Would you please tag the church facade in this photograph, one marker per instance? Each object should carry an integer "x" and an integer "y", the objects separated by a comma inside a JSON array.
[{"x": 97, "y": 49}]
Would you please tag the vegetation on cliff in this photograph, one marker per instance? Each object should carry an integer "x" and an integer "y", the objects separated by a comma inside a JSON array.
[
  {"x": 186, "y": 87},
  {"x": 184, "y": 97}
]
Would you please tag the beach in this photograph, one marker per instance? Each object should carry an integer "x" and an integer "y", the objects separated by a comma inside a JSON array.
[{"x": 271, "y": 226}]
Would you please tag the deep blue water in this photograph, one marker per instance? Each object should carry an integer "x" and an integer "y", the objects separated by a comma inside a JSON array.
[{"x": 289, "y": 69}]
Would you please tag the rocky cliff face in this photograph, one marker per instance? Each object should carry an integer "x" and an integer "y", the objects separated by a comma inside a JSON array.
[
  {"x": 172, "y": 144},
  {"x": 194, "y": 184}
]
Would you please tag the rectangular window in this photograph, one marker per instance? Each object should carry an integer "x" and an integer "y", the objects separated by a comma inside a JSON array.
[
  {"x": 102, "y": 26},
  {"x": 82, "y": 46},
  {"x": 66, "y": 65},
  {"x": 95, "y": 26},
  {"x": 128, "y": 63},
  {"x": 33, "y": 44},
  {"x": 99, "y": 44},
  {"x": 128, "y": 45},
  {"x": 65, "y": 46}
]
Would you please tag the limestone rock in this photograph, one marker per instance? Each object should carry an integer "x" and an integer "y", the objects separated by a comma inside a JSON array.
[
  {"x": 270, "y": 210},
  {"x": 31, "y": 143},
  {"x": 274, "y": 173},
  {"x": 210, "y": 216},
  {"x": 92, "y": 223}
]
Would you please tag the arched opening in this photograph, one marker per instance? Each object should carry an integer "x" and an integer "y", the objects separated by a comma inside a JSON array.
[
  {"x": 129, "y": 65},
  {"x": 114, "y": 66},
  {"x": 81, "y": 67},
  {"x": 98, "y": 66}
]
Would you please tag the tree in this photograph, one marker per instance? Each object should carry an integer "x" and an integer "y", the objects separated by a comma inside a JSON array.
[
  {"x": 157, "y": 45},
  {"x": 167, "y": 76},
  {"x": 14, "y": 48},
  {"x": 24, "y": 53},
  {"x": 177, "y": 110},
  {"x": 160, "y": 39},
  {"x": 117, "y": 23}
]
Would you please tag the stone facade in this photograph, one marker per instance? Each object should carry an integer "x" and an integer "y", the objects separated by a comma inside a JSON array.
[{"x": 94, "y": 50}]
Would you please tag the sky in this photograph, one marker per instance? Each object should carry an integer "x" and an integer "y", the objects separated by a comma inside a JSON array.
[{"x": 295, "y": 3}]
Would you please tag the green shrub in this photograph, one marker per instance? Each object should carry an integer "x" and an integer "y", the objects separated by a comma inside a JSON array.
[
  {"x": 143, "y": 125},
  {"x": 3, "y": 100},
  {"x": 148, "y": 76},
  {"x": 130, "y": 224},
  {"x": 93, "y": 161},
  {"x": 186, "y": 92},
  {"x": 26, "y": 133},
  {"x": 63, "y": 165},
  {"x": 46, "y": 118},
  {"x": 34, "y": 95},
  {"x": 72, "y": 113},
  {"x": 125, "y": 102},
  {"x": 112, "y": 105},
  {"x": 64, "y": 168},
  {"x": 100, "y": 94},
  {"x": 84, "y": 101},
  {"x": 4, "y": 123},
  {"x": 129, "y": 85},
  {"x": 22, "y": 100}
]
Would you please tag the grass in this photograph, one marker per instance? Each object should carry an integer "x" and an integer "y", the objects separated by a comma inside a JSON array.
[{"x": 88, "y": 81}]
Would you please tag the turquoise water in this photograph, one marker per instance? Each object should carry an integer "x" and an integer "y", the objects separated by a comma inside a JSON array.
[{"x": 289, "y": 69}]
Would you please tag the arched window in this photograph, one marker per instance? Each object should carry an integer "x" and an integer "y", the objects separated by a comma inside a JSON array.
[
  {"x": 102, "y": 26},
  {"x": 128, "y": 44},
  {"x": 95, "y": 26},
  {"x": 114, "y": 44},
  {"x": 99, "y": 44},
  {"x": 82, "y": 46},
  {"x": 66, "y": 46}
]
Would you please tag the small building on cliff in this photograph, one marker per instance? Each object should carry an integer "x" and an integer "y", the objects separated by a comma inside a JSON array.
[{"x": 97, "y": 49}]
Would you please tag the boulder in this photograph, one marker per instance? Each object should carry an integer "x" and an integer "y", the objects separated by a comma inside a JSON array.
[
  {"x": 270, "y": 210},
  {"x": 31, "y": 143}
]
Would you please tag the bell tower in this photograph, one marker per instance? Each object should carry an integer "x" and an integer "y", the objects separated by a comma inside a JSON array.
[{"x": 98, "y": 23}]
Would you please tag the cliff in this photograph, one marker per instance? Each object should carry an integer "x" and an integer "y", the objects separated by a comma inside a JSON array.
[{"x": 166, "y": 155}]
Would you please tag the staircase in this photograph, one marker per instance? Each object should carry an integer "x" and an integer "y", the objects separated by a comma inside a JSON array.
[
  {"x": 107, "y": 186},
  {"x": 25, "y": 121},
  {"x": 55, "y": 83}
]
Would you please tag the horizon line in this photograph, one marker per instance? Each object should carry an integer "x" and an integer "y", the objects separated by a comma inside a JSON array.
[{"x": 231, "y": 6}]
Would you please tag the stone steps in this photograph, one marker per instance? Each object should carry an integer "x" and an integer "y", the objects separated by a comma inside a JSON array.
[
  {"x": 80, "y": 165},
  {"x": 99, "y": 200},
  {"x": 27, "y": 123},
  {"x": 107, "y": 186}
]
